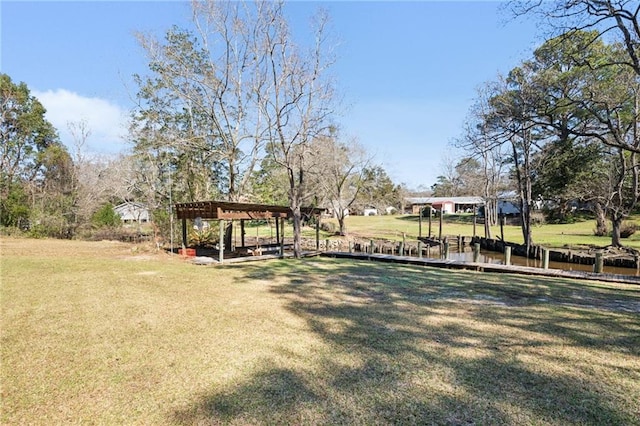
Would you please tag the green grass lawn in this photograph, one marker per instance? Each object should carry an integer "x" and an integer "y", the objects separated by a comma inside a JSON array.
[
  {"x": 392, "y": 227},
  {"x": 109, "y": 333},
  {"x": 564, "y": 235}
]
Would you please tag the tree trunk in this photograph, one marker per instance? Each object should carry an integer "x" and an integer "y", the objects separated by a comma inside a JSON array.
[
  {"x": 523, "y": 177},
  {"x": 342, "y": 224},
  {"x": 297, "y": 230},
  {"x": 616, "y": 225},
  {"x": 489, "y": 214},
  {"x": 601, "y": 220}
]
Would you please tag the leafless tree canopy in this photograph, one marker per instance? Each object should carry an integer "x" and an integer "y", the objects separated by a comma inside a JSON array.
[
  {"x": 616, "y": 20},
  {"x": 232, "y": 91}
]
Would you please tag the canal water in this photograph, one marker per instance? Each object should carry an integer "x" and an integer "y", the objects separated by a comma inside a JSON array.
[{"x": 498, "y": 258}]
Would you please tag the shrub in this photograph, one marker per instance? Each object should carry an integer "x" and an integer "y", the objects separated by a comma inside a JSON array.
[
  {"x": 106, "y": 216},
  {"x": 628, "y": 229},
  {"x": 11, "y": 231},
  {"x": 329, "y": 227},
  {"x": 557, "y": 216}
]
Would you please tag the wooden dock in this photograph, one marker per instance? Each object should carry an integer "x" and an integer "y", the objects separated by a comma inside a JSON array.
[
  {"x": 485, "y": 267},
  {"x": 207, "y": 260}
]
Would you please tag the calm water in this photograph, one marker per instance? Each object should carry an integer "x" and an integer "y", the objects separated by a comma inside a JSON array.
[{"x": 493, "y": 257}]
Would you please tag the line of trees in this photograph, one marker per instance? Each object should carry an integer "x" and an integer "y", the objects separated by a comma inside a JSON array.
[
  {"x": 46, "y": 189},
  {"x": 231, "y": 108},
  {"x": 563, "y": 126}
]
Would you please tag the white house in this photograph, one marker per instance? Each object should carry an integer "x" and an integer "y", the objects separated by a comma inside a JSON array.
[
  {"x": 132, "y": 212},
  {"x": 445, "y": 204},
  {"x": 370, "y": 211}
]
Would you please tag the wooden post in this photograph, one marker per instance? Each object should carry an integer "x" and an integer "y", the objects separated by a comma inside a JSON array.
[
  {"x": 446, "y": 250},
  {"x": 404, "y": 244},
  {"x": 326, "y": 245},
  {"x": 371, "y": 247},
  {"x": 420, "y": 222},
  {"x": 430, "y": 212},
  {"x": 501, "y": 217},
  {"x": 184, "y": 234},
  {"x": 476, "y": 252},
  {"x": 440, "y": 231},
  {"x": 228, "y": 235},
  {"x": 277, "y": 232},
  {"x": 545, "y": 258},
  {"x": 419, "y": 248},
  {"x": 281, "y": 236},
  {"x": 318, "y": 233},
  {"x": 222, "y": 226},
  {"x": 507, "y": 255},
  {"x": 350, "y": 246},
  {"x": 460, "y": 243},
  {"x": 242, "y": 232},
  {"x": 598, "y": 266}
]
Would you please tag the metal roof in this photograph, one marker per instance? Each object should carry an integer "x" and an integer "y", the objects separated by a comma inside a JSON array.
[{"x": 440, "y": 200}]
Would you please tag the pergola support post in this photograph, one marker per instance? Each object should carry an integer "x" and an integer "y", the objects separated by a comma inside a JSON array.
[
  {"x": 221, "y": 225},
  {"x": 184, "y": 233},
  {"x": 282, "y": 239}
]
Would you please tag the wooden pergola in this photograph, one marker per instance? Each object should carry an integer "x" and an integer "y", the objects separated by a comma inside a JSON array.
[{"x": 227, "y": 211}]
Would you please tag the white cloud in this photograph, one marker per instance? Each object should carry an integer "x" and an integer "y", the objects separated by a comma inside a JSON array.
[{"x": 106, "y": 121}]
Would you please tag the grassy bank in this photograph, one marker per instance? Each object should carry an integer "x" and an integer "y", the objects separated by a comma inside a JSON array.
[
  {"x": 108, "y": 333},
  {"x": 579, "y": 234}
]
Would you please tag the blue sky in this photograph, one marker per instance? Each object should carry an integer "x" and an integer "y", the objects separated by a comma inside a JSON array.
[{"x": 407, "y": 71}]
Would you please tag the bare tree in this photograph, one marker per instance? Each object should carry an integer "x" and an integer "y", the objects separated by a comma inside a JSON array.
[
  {"x": 84, "y": 193},
  {"x": 481, "y": 143},
  {"x": 512, "y": 119},
  {"x": 297, "y": 106},
  {"x": 238, "y": 83},
  {"x": 205, "y": 91},
  {"x": 340, "y": 173}
]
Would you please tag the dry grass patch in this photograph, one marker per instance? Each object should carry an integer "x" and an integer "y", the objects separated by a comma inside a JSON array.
[{"x": 89, "y": 336}]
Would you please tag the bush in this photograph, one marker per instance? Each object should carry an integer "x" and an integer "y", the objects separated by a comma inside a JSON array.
[
  {"x": 329, "y": 227},
  {"x": 556, "y": 216},
  {"x": 106, "y": 233},
  {"x": 11, "y": 231},
  {"x": 106, "y": 217},
  {"x": 628, "y": 229}
]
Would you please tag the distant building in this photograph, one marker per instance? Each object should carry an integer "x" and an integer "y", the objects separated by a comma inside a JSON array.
[
  {"x": 132, "y": 212},
  {"x": 370, "y": 211},
  {"x": 447, "y": 205}
]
